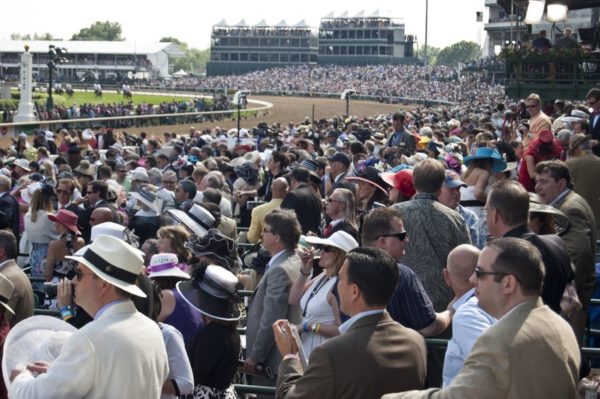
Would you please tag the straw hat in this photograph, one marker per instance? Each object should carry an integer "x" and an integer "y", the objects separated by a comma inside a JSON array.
[
  {"x": 86, "y": 168},
  {"x": 214, "y": 294},
  {"x": 114, "y": 261},
  {"x": 22, "y": 163},
  {"x": 147, "y": 198}
]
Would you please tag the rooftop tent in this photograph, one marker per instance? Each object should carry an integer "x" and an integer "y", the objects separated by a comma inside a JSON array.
[
  {"x": 301, "y": 24},
  {"x": 241, "y": 24},
  {"x": 361, "y": 14},
  {"x": 180, "y": 74},
  {"x": 343, "y": 15},
  {"x": 282, "y": 24},
  {"x": 330, "y": 15},
  {"x": 222, "y": 24},
  {"x": 261, "y": 24},
  {"x": 375, "y": 14}
]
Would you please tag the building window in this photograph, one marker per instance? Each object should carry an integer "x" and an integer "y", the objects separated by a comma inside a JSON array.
[
  {"x": 336, "y": 34},
  {"x": 235, "y": 56},
  {"x": 322, "y": 50},
  {"x": 215, "y": 56},
  {"x": 295, "y": 58},
  {"x": 343, "y": 50},
  {"x": 234, "y": 41},
  {"x": 274, "y": 57},
  {"x": 336, "y": 50},
  {"x": 375, "y": 34},
  {"x": 254, "y": 41},
  {"x": 359, "y": 34},
  {"x": 351, "y": 34},
  {"x": 244, "y": 42},
  {"x": 243, "y": 56},
  {"x": 344, "y": 34},
  {"x": 359, "y": 50},
  {"x": 264, "y": 42},
  {"x": 224, "y": 42},
  {"x": 283, "y": 57},
  {"x": 368, "y": 50},
  {"x": 351, "y": 50},
  {"x": 224, "y": 57},
  {"x": 253, "y": 57},
  {"x": 304, "y": 58},
  {"x": 264, "y": 57},
  {"x": 367, "y": 34}
]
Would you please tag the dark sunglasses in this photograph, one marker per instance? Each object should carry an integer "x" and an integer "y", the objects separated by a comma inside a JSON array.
[
  {"x": 479, "y": 272},
  {"x": 401, "y": 235},
  {"x": 326, "y": 249}
]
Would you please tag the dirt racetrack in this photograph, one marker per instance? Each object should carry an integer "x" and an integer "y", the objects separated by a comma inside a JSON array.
[{"x": 286, "y": 109}]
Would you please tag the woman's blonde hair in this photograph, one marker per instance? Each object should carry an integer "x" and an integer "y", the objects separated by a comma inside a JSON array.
[{"x": 39, "y": 201}]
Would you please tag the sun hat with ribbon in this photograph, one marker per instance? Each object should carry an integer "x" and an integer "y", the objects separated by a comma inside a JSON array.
[
  {"x": 147, "y": 198},
  {"x": 215, "y": 245},
  {"x": 197, "y": 219},
  {"x": 165, "y": 265},
  {"x": 114, "y": 261},
  {"x": 212, "y": 293}
]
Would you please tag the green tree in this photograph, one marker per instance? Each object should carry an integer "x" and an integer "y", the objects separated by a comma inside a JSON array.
[
  {"x": 100, "y": 31},
  {"x": 432, "y": 54},
  {"x": 459, "y": 52},
  {"x": 194, "y": 60}
]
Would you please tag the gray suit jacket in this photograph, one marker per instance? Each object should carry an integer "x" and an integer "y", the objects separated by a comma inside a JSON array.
[
  {"x": 268, "y": 304},
  {"x": 376, "y": 355},
  {"x": 530, "y": 353},
  {"x": 21, "y": 300}
]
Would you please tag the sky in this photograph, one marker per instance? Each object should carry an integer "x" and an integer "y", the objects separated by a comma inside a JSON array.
[{"x": 191, "y": 21}]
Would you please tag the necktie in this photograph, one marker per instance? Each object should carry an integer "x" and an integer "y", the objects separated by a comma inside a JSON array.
[{"x": 327, "y": 230}]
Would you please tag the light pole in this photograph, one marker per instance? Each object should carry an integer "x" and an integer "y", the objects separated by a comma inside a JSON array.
[
  {"x": 56, "y": 55},
  {"x": 238, "y": 97},
  {"x": 425, "y": 57},
  {"x": 346, "y": 96}
]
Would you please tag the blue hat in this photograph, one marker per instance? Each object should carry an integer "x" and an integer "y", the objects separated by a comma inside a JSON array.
[
  {"x": 309, "y": 164},
  {"x": 453, "y": 180},
  {"x": 488, "y": 153}
]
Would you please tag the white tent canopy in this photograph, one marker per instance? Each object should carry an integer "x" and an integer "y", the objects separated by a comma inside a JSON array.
[{"x": 180, "y": 74}]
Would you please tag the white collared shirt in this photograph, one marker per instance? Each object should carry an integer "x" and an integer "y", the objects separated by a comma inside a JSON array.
[
  {"x": 345, "y": 326},
  {"x": 274, "y": 258}
]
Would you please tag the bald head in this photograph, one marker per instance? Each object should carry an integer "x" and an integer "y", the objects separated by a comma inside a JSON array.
[
  {"x": 460, "y": 266},
  {"x": 279, "y": 187},
  {"x": 101, "y": 215},
  {"x": 4, "y": 183}
]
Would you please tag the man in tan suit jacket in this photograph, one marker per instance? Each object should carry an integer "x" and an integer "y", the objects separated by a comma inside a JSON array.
[
  {"x": 21, "y": 300},
  {"x": 585, "y": 172},
  {"x": 372, "y": 355},
  {"x": 531, "y": 352}
]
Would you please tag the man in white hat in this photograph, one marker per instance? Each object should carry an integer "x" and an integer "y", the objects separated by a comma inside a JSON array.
[{"x": 121, "y": 354}]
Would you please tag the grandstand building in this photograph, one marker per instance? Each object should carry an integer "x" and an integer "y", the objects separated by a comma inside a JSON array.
[
  {"x": 364, "y": 40},
  {"x": 92, "y": 60},
  {"x": 241, "y": 48}
]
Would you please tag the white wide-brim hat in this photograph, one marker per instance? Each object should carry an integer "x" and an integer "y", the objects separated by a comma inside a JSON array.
[
  {"x": 27, "y": 193},
  {"x": 340, "y": 240},
  {"x": 37, "y": 338},
  {"x": 165, "y": 265},
  {"x": 114, "y": 261},
  {"x": 147, "y": 198}
]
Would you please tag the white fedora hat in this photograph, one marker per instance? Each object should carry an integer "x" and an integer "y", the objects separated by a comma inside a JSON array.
[
  {"x": 37, "y": 338},
  {"x": 197, "y": 219},
  {"x": 339, "y": 239},
  {"x": 115, "y": 262},
  {"x": 165, "y": 265}
]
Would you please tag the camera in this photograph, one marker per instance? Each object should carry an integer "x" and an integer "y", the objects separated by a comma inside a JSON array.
[{"x": 51, "y": 289}]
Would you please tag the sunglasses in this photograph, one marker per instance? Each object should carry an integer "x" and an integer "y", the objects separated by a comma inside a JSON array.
[
  {"x": 479, "y": 272},
  {"x": 401, "y": 235},
  {"x": 79, "y": 274},
  {"x": 326, "y": 249}
]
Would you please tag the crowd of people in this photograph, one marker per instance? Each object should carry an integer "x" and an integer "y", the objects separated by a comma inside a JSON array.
[{"x": 474, "y": 223}]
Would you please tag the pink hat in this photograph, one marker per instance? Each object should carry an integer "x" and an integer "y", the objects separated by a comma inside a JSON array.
[{"x": 67, "y": 219}]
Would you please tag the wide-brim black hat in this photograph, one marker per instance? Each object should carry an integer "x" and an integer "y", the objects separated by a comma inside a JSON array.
[{"x": 214, "y": 295}]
